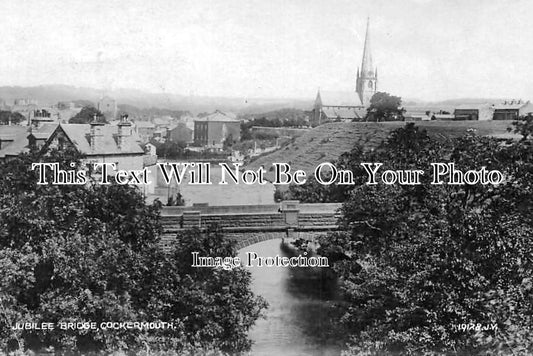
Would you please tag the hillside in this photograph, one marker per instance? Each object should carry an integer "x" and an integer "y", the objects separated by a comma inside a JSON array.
[
  {"x": 327, "y": 142},
  {"x": 51, "y": 94}
]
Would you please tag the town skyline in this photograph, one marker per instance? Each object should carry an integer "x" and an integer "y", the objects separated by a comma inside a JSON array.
[{"x": 424, "y": 50}]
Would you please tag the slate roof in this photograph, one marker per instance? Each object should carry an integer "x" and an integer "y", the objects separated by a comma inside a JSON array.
[
  {"x": 219, "y": 116},
  {"x": 144, "y": 124},
  {"x": 161, "y": 121},
  {"x": 338, "y": 98},
  {"x": 79, "y": 135},
  {"x": 9, "y": 132},
  {"x": 513, "y": 105},
  {"x": 344, "y": 113},
  {"x": 444, "y": 116},
  {"x": 16, "y": 137},
  {"x": 45, "y": 131}
]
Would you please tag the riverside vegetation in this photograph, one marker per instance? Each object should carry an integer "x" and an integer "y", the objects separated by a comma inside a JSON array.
[
  {"x": 435, "y": 269},
  {"x": 90, "y": 253}
]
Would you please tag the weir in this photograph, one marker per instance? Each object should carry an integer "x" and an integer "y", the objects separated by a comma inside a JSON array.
[{"x": 249, "y": 224}]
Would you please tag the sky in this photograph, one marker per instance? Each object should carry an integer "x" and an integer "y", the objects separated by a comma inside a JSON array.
[{"x": 423, "y": 49}]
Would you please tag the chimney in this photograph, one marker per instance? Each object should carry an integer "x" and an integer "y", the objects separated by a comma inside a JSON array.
[
  {"x": 96, "y": 134},
  {"x": 30, "y": 117},
  {"x": 124, "y": 131}
]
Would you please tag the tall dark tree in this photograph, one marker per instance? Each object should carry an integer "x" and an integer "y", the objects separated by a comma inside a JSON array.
[
  {"x": 87, "y": 115},
  {"x": 427, "y": 260},
  {"x": 384, "y": 107},
  {"x": 92, "y": 253},
  {"x": 7, "y": 117}
]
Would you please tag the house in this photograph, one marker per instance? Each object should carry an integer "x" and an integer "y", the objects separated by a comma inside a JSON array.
[
  {"x": 163, "y": 122},
  {"x": 416, "y": 116},
  {"x": 512, "y": 110},
  {"x": 13, "y": 141},
  {"x": 481, "y": 112},
  {"x": 160, "y": 134},
  {"x": 180, "y": 133},
  {"x": 145, "y": 130},
  {"x": 100, "y": 143},
  {"x": 38, "y": 137},
  {"x": 212, "y": 130}
]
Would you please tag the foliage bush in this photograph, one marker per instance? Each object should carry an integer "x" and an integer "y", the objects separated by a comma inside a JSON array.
[
  {"x": 13, "y": 118},
  {"x": 93, "y": 253},
  {"x": 87, "y": 115},
  {"x": 422, "y": 261}
]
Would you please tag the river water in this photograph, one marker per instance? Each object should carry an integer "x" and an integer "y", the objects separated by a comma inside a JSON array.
[{"x": 301, "y": 318}]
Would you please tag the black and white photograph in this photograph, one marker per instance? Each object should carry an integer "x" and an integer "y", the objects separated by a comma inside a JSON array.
[{"x": 266, "y": 177}]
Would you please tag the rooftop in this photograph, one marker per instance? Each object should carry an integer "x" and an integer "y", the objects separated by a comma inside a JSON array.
[
  {"x": 511, "y": 104},
  {"x": 9, "y": 132},
  {"x": 79, "y": 135},
  {"x": 219, "y": 116},
  {"x": 16, "y": 137},
  {"x": 344, "y": 113},
  {"x": 45, "y": 131},
  {"x": 338, "y": 98}
]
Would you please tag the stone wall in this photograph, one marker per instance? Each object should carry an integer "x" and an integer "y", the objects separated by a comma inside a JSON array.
[
  {"x": 290, "y": 220},
  {"x": 280, "y": 131}
]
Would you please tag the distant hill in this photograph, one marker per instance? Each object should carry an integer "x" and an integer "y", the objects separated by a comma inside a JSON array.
[
  {"x": 281, "y": 114},
  {"x": 450, "y": 102},
  {"x": 327, "y": 142},
  {"x": 51, "y": 94}
]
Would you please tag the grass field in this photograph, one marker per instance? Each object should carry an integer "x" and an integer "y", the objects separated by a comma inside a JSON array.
[{"x": 327, "y": 142}]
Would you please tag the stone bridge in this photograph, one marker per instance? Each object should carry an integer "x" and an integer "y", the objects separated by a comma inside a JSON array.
[{"x": 249, "y": 224}]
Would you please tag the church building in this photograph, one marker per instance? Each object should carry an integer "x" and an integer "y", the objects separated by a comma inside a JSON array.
[{"x": 332, "y": 106}]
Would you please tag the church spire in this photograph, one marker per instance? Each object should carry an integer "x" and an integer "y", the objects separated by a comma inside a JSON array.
[
  {"x": 367, "y": 80},
  {"x": 366, "y": 65}
]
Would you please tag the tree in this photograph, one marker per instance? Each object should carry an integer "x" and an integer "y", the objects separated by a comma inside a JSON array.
[
  {"x": 228, "y": 142},
  {"x": 384, "y": 107},
  {"x": 93, "y": 253},
  {"x": 170, "y": 149},
  {"x": 7, "y": 117},
  {"x": 524, "y": 127},
  {"x": 86, "y": 116},
  {"x": 426, "y": 259}
]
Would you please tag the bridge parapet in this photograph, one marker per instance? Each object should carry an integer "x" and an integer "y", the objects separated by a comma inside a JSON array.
[{"x": 258, "y": 223}]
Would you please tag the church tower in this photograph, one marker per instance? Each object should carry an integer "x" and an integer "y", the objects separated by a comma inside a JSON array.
[{"x": 367, "y": 78}]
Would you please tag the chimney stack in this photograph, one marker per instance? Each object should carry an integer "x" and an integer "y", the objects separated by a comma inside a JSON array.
[
  {"x": 124, "y": 131},
  {"x": 96, "y": 134}
]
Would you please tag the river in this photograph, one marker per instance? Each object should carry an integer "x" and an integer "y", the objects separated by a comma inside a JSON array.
[{"x": 301, "y": 317}]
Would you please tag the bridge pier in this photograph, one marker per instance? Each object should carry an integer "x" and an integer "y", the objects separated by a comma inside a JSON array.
[{"x": 291, "y": 209}]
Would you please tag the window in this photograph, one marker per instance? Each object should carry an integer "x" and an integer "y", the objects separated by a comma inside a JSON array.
[{"x": 370, "y": 85}]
